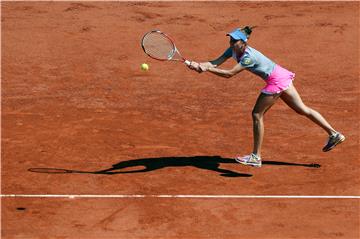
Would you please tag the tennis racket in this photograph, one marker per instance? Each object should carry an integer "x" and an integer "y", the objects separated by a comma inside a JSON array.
[
  {"x": 160, "y": 46},
  {"x": 55, "y": 170}
]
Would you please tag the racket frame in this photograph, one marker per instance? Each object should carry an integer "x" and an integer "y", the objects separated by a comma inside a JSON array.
[
  {"x": 175, "y": 50},
  {"x": 53, "y": 170}
]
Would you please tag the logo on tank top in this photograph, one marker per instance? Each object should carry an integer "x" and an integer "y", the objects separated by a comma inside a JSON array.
[{"x": 246, "y": 61}]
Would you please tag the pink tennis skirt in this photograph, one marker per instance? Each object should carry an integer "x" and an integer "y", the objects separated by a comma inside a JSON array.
[{"x": 278, "y": 81}]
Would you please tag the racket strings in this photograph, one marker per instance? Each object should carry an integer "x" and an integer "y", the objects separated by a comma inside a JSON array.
[
  {"x": 49, "y": 170},
  {"x": 158, "y": 46}
]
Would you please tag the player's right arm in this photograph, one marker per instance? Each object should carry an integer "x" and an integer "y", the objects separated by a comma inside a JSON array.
[{"x": 217, "y": 62}]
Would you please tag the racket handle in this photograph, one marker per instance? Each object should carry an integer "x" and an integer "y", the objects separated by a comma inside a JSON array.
[{"x": 188, "y": 63}]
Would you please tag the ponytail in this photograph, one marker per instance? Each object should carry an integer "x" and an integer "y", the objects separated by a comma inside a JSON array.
[{"x": 247, "y": 30}]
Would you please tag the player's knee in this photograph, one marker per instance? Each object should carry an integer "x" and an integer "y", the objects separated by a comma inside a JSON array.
[
  {"x": 256, "y": 116},
  {"x": 305, "y": 111}
]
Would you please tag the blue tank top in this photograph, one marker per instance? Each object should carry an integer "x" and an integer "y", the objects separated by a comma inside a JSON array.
[{"x": 254, "y": 61}]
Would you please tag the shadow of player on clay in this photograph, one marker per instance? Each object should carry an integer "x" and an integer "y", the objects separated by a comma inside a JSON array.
[
  {"x": 211, "y": 163},
  {"x": 143, "y": 165}
]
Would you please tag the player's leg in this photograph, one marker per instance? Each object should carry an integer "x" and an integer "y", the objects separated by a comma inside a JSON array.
[
  {"x": 292, "y": 98},
  {"x": 263, "y": 104}
]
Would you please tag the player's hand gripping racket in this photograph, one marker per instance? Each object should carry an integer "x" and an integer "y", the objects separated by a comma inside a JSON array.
[{"x": 160, "y": 46}]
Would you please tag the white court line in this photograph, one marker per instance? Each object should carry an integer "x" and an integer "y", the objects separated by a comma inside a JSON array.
[
  {"x": 178, "y": 196},
  {"x": 164, "y": 1}
]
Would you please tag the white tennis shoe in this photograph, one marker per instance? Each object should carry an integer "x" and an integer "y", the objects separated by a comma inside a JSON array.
[
  {"x": 251, "y": 160},
  {"x": 334, "y": 140}
]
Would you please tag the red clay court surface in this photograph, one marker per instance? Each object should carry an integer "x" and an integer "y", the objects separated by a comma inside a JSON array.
[{"x": 73, "y": 97}]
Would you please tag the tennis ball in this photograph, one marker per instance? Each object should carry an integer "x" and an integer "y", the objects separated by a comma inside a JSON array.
[{"x": 144, "y": 67}]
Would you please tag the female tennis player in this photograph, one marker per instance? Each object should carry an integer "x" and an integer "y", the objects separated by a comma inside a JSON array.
[{"x": 279, "y": 84}]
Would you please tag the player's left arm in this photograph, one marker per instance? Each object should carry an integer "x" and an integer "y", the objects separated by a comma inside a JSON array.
[{"x": 226, "y": 73}]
